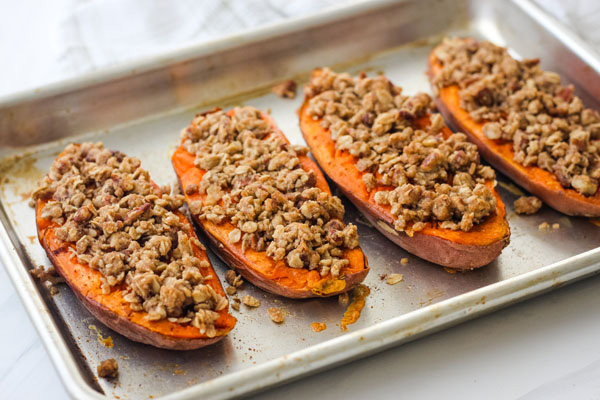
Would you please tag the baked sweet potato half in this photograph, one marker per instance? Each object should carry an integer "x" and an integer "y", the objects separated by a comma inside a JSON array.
[
  {"x": 481, "y": 243},
  {"x": 266, "y": 207},
  {"x": 536, "y": 133},
  {"x": 127, "y": 252}
]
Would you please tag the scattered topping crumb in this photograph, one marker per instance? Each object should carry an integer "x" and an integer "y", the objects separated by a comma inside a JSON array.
[
  {"x": 233, "y": 279},
  {"x": 108, "y": 369},
  {"x": 116, "y": 221},
  {"x": 544, "y": 226},
  {"x": 49, "y": 277},
  {"x": 527, "y": 205},
  {"x": 230, "y": 290},
  {"x": 548, "y": 125},
  {"x": 556, "y": 226},
  {"x": 318, "y": 326},
  {"x": 433, "y": 179},
  {"x": 251, "y": 301},
  {"x": 255, "y": 181},
  {"x": 236, "y": 304},
  {"x": 394, "y": 278},
  {"x": 404, "y": 261},
  {"x": 276, "y": 315},
  {"x": 286, "y": 90}
]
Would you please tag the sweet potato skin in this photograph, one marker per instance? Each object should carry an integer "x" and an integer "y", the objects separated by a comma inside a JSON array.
[
  {"x": 112, "y": 309},
  {"x": 119, "y": 323},
  {"x": 535, "y": 180},
  {"x": 256, "y": 267},
  {"x": 455, "y": 249}
]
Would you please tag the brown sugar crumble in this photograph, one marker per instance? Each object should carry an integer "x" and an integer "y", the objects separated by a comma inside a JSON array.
[
  {"x": 116, "y": 221},
  {"x": 276, "y": 315},
  {"x": 527, "y": 205},
  {"x": 49, "y": 277},
  {"x": 286, "y": 89},
  {"x": 108, "y": 369},
  {"x": 421, "y": 175},
  {"x": 404, "y": 261},
  {"x": 233, "y": 279},
  {"x": 230, "y": 290},
  {"x": 251, "y": 301},
  {"x": 254, "y": 180},
  {"x": 394, "y": 279},
  {"x": 522, "y": 104}
]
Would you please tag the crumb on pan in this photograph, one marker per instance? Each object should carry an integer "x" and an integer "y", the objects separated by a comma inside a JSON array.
[
  {"x": 286, "y": 89},
  {"x": 108, "y": 369},
  {"x": 544, "y": 226},
  {"x": 276, "y": 315},
  {"x": 49, "y": 277},
  {"x": 251, "y": 301},
  {"x": 556, "y": 226},
  {"x": 527, "y": 205},
  {"x": 233, "y": 279},
  {"x": 230, "y": 290},
  {"x": 394, "y": 279},
  {"x": 404, "y": 260}
]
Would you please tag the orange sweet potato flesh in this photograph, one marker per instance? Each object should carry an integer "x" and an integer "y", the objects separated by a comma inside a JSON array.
[
  {"x": 112, "y": 309},
  {"x": 500, "y": 154},
  {"x": 258, "y": 268},
  {"x": 455, "y": 249}
]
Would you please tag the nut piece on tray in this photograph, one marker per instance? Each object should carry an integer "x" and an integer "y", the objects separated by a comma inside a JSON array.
[
  {"x": 266, "y": 206},
  {"x": 418, "y": 183},
  {"x": 524, "y": 121},
  {"x": 126, "y": 250}
]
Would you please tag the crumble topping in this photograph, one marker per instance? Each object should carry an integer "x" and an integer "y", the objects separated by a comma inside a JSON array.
[
  {"x": 394, "y": 279},
  {"x": 108, "y": 369},
  {"x": 254, "y": 180},
  {"x": 120, "y": 224},
  {"x": 276, "y": 315},
  {"x": 286, "y": 89},
  {"x": 251, "y": 301},
  {"x": 419, "y": 174},
  {"x": 519, "y": 102},
  {"x": 527, "y": 205}
]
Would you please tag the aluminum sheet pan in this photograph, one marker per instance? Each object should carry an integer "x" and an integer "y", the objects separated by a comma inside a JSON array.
[{"x": 140, "y": 110}]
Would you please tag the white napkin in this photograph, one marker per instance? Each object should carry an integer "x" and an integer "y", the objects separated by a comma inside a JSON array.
[{"x": 99, "y": 33}]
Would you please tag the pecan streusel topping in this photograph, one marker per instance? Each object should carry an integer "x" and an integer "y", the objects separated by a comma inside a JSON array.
[
  {"x": 118, "y": 223},
  {"x": 421, "y": 175},
  {"x": 520, "y": 103},
  {"x": 255, "y": 181}
]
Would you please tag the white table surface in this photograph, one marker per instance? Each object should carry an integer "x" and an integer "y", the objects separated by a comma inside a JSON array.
[{"x": 545, "y": 348}]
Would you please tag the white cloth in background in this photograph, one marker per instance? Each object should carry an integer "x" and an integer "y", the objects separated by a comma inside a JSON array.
[{"x": 99, "y": 33}]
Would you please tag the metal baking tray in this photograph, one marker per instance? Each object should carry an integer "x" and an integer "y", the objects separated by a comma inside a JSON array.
[{"x": 140, "y": 109}]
